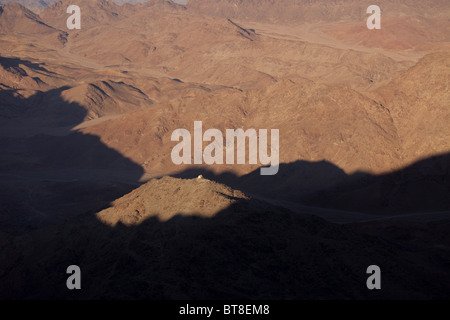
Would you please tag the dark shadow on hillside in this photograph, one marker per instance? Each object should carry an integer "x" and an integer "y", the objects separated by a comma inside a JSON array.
[
  {"x": 49, "y": 173},
  {"x": 250, "y": 250},
  {"x": 45, "y": 109},
  {"x": 16, "y": 62},
  {"x": 421, "y": 187}
]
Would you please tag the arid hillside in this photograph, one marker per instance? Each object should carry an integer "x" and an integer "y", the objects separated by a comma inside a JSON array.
[
  {"x": 196, "y": 239},
  {"x": 86, "y": 169}
]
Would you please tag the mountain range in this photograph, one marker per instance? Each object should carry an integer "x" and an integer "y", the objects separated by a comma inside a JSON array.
[{"x": 86, "y": 123}]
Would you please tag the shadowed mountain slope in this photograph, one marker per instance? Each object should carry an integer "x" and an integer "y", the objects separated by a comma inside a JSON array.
[{"x": 248, "y": 249}]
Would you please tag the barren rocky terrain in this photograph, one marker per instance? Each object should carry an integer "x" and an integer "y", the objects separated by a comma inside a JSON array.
[{"x": 86, "y": 176}]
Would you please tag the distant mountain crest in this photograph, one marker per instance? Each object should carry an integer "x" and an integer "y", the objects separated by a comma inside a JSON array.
[
  {"x": 38, "y": 5},
  {"x": 34, "y": 5}
]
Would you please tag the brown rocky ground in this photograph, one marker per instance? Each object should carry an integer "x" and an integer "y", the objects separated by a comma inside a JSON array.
[
  {"x": 85, "y": 123},
  {"x": 232, "y": 246}
]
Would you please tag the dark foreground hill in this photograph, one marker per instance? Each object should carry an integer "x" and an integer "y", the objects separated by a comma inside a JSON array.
[{"x": 150, "y": 245}]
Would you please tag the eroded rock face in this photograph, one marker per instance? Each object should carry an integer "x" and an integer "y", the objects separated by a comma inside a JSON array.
[
  {"x": 198, "y": 197},
  {"x": 86, "y": 118}
]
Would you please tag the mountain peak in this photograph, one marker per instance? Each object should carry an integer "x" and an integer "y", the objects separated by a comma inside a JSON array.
[
  {"x": 16, "y": 18},
  {"x": 192, "y": 197}
]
